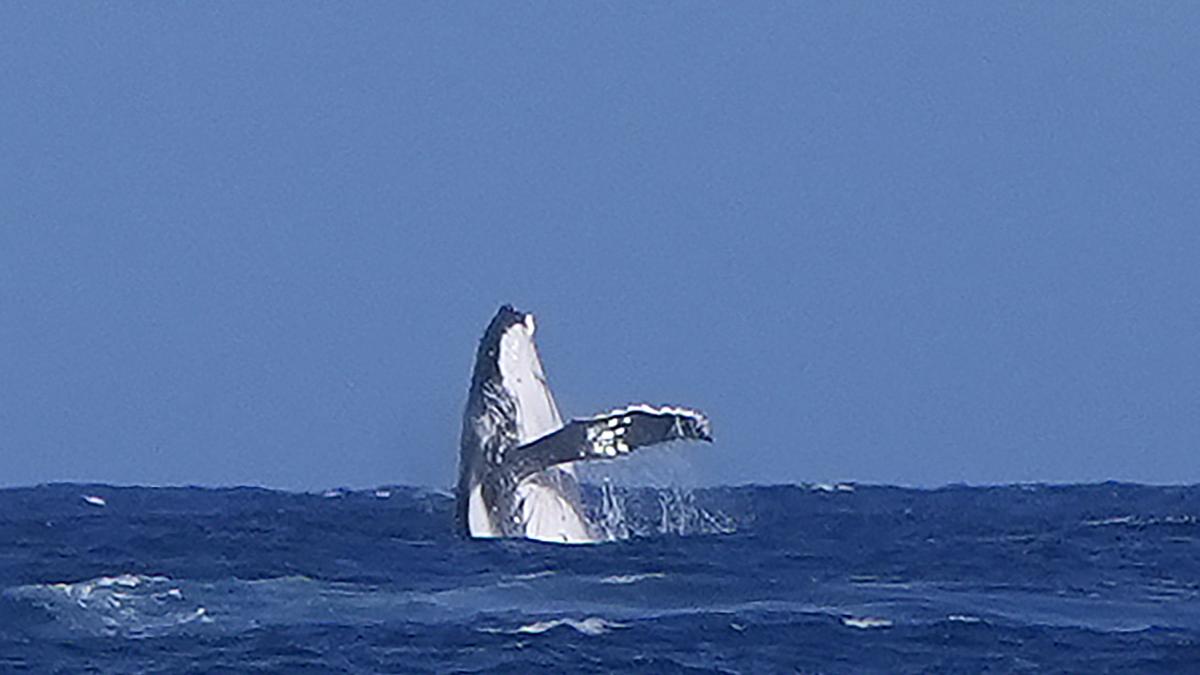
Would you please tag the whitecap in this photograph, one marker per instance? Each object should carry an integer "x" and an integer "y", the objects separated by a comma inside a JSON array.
[
  {"x": 95, "y": 500},
  {"x": 533, "y": 575},
  {"x": 1115, "y": 520},
  {"x": 964, "y": 618},
  {"x": 866, "y": 622},
  {"x": 125, "y": 605},
  {"x": 85, "y": 589},
  {"x": 592, "y": 625},
  {"x": 832, "y": 487},
  {"x": 623, "y": 579}
]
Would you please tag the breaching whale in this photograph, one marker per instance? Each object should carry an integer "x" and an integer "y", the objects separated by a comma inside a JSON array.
[{"x": 515, "y": 467}]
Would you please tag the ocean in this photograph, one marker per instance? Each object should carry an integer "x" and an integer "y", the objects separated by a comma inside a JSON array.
[{"x": 813, "y": 579}]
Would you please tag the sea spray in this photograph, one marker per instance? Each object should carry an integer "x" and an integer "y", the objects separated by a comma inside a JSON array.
[{"x": 648, "y": 495}]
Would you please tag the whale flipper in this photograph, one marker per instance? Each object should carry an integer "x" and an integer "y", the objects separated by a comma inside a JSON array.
[
  {"x": 515, "y": 469},
  {"x": 608, "y": 436}
]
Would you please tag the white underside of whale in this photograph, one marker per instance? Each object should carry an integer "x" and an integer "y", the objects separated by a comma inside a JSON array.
[
  {"x": 547, "y": 514},
  {"x": 550, "y": 517}
]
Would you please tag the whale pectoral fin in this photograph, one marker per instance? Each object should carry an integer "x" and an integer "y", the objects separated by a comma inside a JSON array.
[{"x": 610, "y": 435}]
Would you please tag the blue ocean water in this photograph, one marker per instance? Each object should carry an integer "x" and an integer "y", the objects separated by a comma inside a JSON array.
[{"x": 830, "y": 579}]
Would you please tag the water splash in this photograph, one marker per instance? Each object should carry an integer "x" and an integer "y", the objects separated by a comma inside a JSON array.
[
  {"x": 680, "y": 514},
  {"x": 622, "y": 513}
]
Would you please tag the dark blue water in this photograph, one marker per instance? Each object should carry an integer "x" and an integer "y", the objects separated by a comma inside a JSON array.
[{"x": 832, "y": 579}]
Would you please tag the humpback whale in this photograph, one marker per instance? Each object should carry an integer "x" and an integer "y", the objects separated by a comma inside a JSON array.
[{"x": 516, "y": 474}]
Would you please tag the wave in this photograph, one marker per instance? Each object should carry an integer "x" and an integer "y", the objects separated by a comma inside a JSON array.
[
  {"x": 866, "y": 622},
  {"x": 592, "y": 625},
  {"x": 963, "y": 618},
  {"x": 137, "y": 606},
  {"x": 534, "y": 575},
  {"x": 127, "y": 605},
  {"x": 1111, "y": 559},
  {"x": 1143, "y": 521},
  {"x": 625, "y": 579}
]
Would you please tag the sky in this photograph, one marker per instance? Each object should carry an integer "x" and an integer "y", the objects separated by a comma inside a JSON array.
[{"x": 916, "y": 244}]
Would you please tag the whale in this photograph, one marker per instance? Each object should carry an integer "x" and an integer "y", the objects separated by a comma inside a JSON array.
[{"x": 516, "y": 465}]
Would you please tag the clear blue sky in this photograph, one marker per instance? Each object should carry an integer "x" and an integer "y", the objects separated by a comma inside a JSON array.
[{"x": 256, "y": 243}]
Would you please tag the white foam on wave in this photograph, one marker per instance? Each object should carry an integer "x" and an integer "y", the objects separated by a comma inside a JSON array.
[
  {"x": 95, "y": 500},
  {"x": 82, "y": 591},
  {"x": 964, "y": 618},
  {"x": 624, "y": 579},
  {"x": 592, "y": 625},
  {"x": 125, "y": 605},
  {"x": 1115, "y": 520},
  {"x": 533, "y": 575},
  {"x": 832, "y": 487},
  {"x": 866, "y": 622},
  {"x": 1137, "y": 521}
]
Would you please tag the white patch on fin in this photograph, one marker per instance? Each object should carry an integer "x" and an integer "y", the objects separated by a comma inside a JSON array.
[{"x": 648, "y": 409}]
